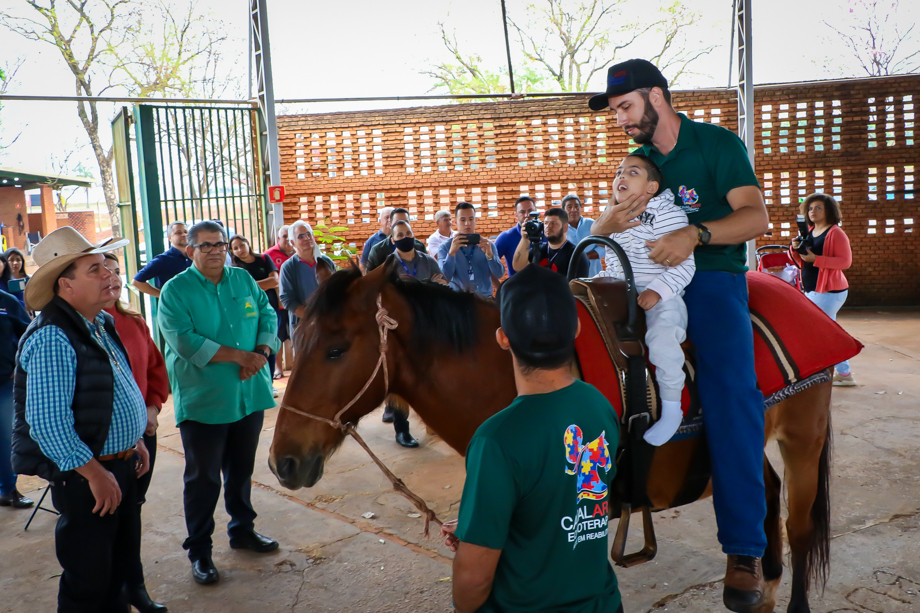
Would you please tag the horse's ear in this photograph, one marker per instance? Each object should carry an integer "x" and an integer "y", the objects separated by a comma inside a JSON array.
[{"x": 384, "y": 274}]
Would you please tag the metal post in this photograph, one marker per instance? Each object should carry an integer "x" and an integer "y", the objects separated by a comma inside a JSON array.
[
  {"x": 268, "y": 127},
  {"x": 507, "y": 45},
  {"x": 148, "y": 175},
  {"x": 746, "y": 91}
]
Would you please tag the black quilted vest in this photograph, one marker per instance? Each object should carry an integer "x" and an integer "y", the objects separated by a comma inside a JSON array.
[{"x": 93, "y": 396}]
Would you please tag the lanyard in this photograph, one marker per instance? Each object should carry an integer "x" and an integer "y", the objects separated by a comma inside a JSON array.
[
  {"x": 469, "y": 262},
  {"x": 414, "y": 272}
]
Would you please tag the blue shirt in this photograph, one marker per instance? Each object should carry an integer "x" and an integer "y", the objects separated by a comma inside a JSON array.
[
  {"x": 506, "y": 243},
  {"x": 164, "y": 267},
  {"x": 576, "y": 235},
  {"x": 51, "y": 362},
  {"x": 375, "y": 238},
  {"x": 296, "y": 283},
  {"x": 13, "y": 323},
  {"x": 470, "y": 270}
]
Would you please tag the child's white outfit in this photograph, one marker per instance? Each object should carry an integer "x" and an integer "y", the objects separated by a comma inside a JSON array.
[{"x": 666, "y": 322}]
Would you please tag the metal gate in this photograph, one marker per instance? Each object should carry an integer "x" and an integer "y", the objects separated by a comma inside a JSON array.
[{"x": 193, "y": 163}]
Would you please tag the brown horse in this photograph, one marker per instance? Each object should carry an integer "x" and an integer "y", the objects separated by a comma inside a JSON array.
[{"x": 442, "y": 358}]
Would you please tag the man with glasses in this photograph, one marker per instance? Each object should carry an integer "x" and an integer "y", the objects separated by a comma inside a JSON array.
[
  {"x": 220, "y": 330},
  {"x": 298, "y": 279},
  {"x": 168, "y": 264}
]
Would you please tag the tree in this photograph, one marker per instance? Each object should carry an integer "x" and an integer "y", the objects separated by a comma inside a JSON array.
[
  {"x": 467, "y": 76},
  {"x": 7, "y": 75},
  {"x": 134, "y": 47},
  {"x": 878, "y": 39},
  {"x": 565, "y": 43}
]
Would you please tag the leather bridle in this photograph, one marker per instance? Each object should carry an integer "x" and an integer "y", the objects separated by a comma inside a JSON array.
[{"x": 385, "y": 323}]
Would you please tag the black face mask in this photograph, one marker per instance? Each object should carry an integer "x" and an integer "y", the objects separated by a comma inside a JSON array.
[{"x": 405, "y": 244}]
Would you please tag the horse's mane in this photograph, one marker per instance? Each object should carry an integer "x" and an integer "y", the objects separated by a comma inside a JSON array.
[{"x": 444, "y": 318}]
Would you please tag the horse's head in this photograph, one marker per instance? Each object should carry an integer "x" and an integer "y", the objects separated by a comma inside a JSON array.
[{"x": 337, "y": 346}]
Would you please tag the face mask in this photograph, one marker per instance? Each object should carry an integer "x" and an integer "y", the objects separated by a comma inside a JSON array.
[{"x": 405, "y": 244}]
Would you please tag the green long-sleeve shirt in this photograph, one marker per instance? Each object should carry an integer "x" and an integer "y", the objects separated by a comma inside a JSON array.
[{"x": 196, "y": 318}]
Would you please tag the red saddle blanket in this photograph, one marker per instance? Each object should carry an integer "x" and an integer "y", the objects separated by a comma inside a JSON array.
[{"x": 793, "y": 340}]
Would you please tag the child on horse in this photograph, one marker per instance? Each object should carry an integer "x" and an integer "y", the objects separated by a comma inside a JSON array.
[{"x": 660, "y": 286}]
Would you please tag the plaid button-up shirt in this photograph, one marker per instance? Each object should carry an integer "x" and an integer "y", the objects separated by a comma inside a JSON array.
[{"x": 51, "y": 363}]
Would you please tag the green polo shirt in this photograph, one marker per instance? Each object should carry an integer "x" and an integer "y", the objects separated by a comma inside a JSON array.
[
  {"x": 537, "y": 487},
  {"x": 707, "y": 163},
  {"x": 196, "y": 318}
]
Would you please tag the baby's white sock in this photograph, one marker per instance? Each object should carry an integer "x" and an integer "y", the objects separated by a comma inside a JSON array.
[{"x": 667, "y": 424}]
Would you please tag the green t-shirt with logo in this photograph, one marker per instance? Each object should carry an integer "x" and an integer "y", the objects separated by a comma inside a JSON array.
[
  {"x": 537, "y": 479},
  {"x": 707, "y": 163}
]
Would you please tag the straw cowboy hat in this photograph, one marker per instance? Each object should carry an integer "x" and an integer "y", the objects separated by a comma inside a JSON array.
[{"x": 56, "y": 252}]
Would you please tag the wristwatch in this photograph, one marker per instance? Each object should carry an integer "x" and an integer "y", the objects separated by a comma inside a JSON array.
[
  {"x": 267, "y": 354},
  {"x": 703, "y": 235}
]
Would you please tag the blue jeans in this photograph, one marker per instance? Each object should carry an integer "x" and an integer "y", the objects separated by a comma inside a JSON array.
[
  {"x": 7, "y": 476},
  {"x": 830, "y": 304},
  {"x": 720, "y": 329}
]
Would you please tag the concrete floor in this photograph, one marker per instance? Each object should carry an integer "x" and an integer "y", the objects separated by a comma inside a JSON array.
[{"x": 333, "y": 559}]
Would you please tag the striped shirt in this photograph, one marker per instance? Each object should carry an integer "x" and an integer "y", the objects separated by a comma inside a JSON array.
[
  {"x": 661, "y": 217},
  {"x": 51, "y": 362}
]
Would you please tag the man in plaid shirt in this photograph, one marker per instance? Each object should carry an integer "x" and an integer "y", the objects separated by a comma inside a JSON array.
[{"x": 80, "y": 419}]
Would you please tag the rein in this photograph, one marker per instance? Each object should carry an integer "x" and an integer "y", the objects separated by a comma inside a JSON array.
[{"x": 385, "y": 323}]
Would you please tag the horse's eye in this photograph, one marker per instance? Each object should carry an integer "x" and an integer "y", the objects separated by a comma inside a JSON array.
[{"x": 335, "y": 354}]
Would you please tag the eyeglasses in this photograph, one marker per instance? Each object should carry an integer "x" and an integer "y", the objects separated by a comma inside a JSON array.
[
  {"x": 300, "y": 237},
  {"x": 209, "y": 247}
]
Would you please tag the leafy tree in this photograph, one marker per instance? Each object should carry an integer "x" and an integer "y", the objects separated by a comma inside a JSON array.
[
  {"x": 7, "y": 75},
  {"x": 878, "y": 39},
  {"x": 565, "y": 43},
  {"x": 133, "y": 47}
]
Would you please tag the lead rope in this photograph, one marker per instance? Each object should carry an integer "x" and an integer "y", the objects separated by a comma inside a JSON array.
[{"x": 385, "y": 323}]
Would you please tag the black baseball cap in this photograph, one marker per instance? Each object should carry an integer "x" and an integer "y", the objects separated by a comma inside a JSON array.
[
  {"x": 627, "y": 77},
  {"x": 538, "y": 315}
]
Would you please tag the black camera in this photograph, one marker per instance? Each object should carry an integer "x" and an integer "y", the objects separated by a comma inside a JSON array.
[
  {"x": 533, "y": 228},
  {"x": 803, "y": 235}
]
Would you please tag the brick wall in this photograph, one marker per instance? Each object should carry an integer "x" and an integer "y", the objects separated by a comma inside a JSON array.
[
  {"x": 854, "y": 139},
  {"x": 83, "y": 222}
]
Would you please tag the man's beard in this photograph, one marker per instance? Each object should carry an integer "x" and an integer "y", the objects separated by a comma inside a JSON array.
[
  {"x": 647, "y": 126},
  {"x": 555, "y": 240}
]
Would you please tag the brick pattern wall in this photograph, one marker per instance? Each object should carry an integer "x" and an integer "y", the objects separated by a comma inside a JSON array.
[
  {"x": 853, "y": 139},
  {"x": 83, "y": 222}
]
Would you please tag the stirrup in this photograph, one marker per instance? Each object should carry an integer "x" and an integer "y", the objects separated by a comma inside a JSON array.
[{"x": 649, "y": 550}]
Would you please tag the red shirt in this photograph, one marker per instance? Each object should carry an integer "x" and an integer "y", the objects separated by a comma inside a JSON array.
[
  {"x": 147, "y": 363},
  {"x": 277, "y": 256}
]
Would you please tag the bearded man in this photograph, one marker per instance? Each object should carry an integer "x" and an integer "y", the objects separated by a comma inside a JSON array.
[
  {"x": 708, "y": 169},
  {"x": 556, "y": 253}
]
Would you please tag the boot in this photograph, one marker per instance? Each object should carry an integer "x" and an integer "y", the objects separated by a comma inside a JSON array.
[
  {"x": 140, "y": 600},
  {"x": 744, "y": 584}
]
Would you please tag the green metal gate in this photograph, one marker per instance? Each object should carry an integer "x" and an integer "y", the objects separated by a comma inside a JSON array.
[
  {"x": 199, "y": 163},
  {"x": 194, "y": 163}
]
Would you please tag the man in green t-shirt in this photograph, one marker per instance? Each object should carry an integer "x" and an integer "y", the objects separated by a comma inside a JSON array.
[
  {"x": 708, "y": 169},
  {"x": 532, "y": 532}
]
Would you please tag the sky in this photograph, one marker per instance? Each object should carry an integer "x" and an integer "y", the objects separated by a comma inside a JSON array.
[{"x": 372, "y": 48}]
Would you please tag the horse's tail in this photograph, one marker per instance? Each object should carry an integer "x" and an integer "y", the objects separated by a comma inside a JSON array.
[{"x": 819, "y": 556}]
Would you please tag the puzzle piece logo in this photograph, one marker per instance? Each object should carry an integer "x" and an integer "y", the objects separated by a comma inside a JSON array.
[
  {"x": 689, "y": 198},
  {"x": 585, "y": 460}
]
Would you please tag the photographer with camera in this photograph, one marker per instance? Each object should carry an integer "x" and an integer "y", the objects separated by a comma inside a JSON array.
[
  {"x": 556, "y": 252},
  {"x": 823, "y": 254},
  {"x": 467, "y": 260}
]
